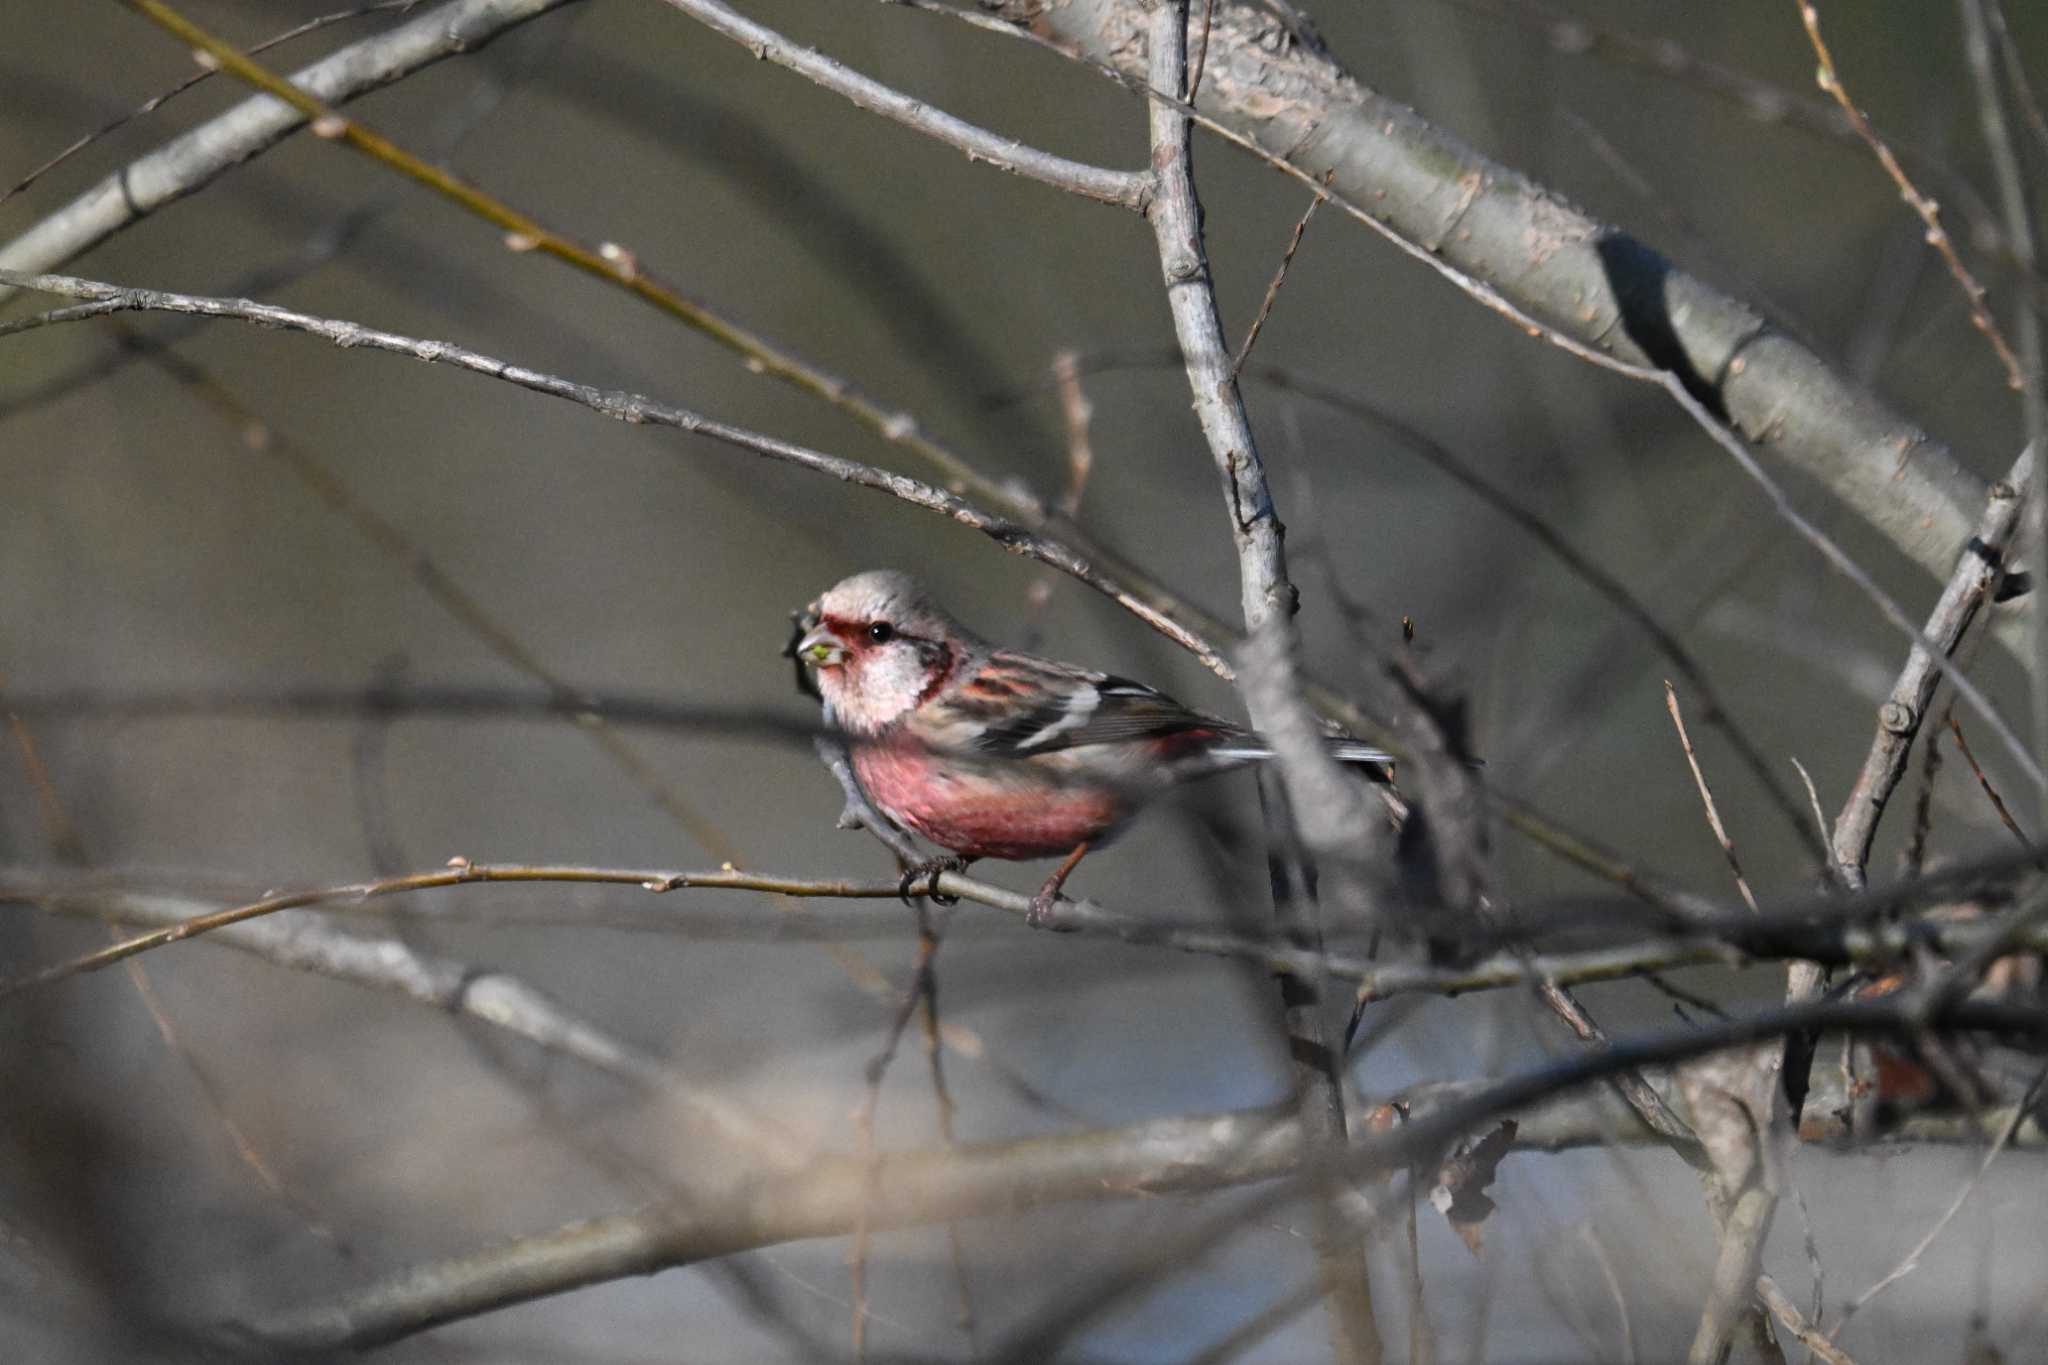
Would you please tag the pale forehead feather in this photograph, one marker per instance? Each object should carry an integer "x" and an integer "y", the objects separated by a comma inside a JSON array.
[{"x": 877, "y": 595}]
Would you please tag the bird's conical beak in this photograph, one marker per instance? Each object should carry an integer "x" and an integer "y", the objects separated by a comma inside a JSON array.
[{"x": 820, "y": 649}]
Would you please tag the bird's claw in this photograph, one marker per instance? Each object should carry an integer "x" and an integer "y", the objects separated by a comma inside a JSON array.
[
  {"x": 1043, "y": 912},
  {"x": 928, "y": 873}
]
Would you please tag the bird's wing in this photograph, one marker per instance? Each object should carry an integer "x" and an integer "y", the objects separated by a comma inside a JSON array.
[{"x": 1031, "y": 706}]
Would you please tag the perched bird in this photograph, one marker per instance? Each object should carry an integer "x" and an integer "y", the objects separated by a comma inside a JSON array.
[{"x": 991, "y": 753}]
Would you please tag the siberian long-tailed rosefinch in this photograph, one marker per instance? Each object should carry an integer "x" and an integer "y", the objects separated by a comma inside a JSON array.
[
  {"x": 996, "y": 754},
  {"x": 990, "y": 753}
]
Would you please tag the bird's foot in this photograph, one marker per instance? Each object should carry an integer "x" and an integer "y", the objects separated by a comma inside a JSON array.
[
  {"x": 926, "y": 874},
  {"x": 1044, "y": 911}
]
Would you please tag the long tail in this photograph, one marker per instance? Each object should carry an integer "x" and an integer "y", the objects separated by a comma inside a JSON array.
[
  {"x": 1254, "y": 749},
  {"x": 1357, "y": 751}
]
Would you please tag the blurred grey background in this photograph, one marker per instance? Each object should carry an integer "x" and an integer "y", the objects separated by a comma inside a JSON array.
[{"x": 146, "y": 544}]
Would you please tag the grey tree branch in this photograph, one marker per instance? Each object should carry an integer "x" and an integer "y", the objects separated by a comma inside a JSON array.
[
  {"x": 193, "y": 160},
  {"x": 1125, "y": 189},
  {"x": 1586, "y": 280},
  {"x": 1268, "y": 601}
]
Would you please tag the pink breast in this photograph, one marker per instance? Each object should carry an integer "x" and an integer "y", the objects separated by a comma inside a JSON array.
[{"x": 1001, "y": 809}]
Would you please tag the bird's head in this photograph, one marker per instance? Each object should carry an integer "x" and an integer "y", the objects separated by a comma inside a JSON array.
[{"x": 878, "y": 647}]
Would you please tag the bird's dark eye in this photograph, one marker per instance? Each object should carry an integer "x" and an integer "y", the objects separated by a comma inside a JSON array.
[{"x": 881, "y": 632}]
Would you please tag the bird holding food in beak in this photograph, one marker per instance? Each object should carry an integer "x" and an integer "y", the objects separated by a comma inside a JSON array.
[{"x": 993, "y": 753}]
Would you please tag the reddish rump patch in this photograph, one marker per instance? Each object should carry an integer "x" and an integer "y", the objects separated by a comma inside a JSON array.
[{"x": 983, "y": 810}]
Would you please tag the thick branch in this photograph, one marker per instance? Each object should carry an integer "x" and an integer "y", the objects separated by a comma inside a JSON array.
[{"x": 1587, "y": 280}]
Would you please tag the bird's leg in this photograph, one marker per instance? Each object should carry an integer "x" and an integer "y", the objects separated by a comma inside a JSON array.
[
  {"x": 1041, "y": 912},
  {"x": 928, "y": 872}
]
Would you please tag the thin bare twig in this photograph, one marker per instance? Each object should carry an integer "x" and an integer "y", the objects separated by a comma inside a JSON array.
[
  {"x": 2016, "y": 74},
  {"x": 1884, "y": 933},
  {"x": 1997, "y": 803},
  {"x": 1642, "y": 1097},
  {"x": 1915, "y": 859},
  {"x": 1251, "y": 336},
  {"x": 926, "y": 988},
  {"x": 1201, "y": 51},
  {"x": 1669, "y": 60},
  {"x": 1078, "y": 413},
  {"x": 1830, "y": 80},
  {"x": 1811, "y": 1246},
  {"x": 1600, "y": 1257},
  {"x": 1802, "y": 1329},
  {"x": 1124, "y": 189},
  {"x": 1820, "y": 819},
  {"x": 1707, "y": 797},
  {"x": 246, "y": 1151},
  {"x": 151, "y": 105},
  {"x": 459, "y": 872},
  {"x": 1421, "y": 1341},
  {"x": 1911, "y": 1261},
  {"x": 864, "y": 1121},
  {"x": 463, "y": 606},
  {"x": 68, "y": 845}
]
